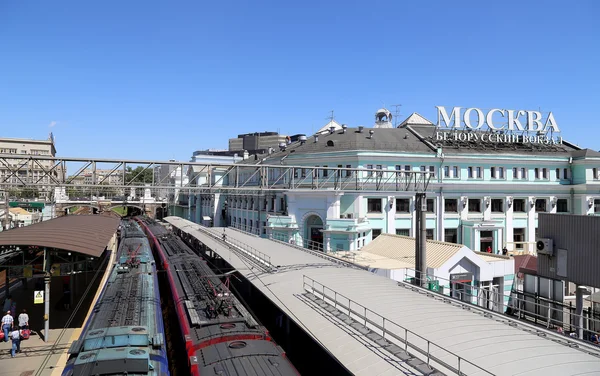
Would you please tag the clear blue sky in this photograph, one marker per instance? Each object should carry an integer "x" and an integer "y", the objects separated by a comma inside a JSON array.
[{"x": 157, "y": 80}]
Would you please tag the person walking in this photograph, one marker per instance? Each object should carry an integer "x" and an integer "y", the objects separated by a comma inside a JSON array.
[
  {"x": 7, "y": 323},
  {"x": 23, "y": 320},
  {"x": 15, "y": 336}
]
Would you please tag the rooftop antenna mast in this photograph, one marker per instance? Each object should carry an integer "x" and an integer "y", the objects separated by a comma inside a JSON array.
[{"x": 396, "y": 114}]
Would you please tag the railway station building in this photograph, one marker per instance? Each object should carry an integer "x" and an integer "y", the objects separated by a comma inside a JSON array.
[{"x": 487, "y": 183}]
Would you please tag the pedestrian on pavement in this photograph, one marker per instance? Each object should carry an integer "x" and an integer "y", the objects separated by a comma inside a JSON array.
[
  {"x": 15, "y": 336},
  {"x": 7, "y": 323},
  {"x": 23, "y": 320}
]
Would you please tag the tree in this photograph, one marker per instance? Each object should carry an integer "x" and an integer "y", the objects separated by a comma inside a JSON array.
[{"x": 139, "y": 175}]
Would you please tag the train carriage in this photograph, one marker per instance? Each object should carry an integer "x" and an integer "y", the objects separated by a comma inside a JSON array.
[
  {"x": 124, "y": 334},
  {"x": 221, "y": 336}
]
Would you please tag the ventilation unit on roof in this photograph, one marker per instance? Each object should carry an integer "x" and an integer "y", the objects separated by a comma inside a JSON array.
[
  {"x": 316, "y": 138},
  {"x": 282, "y": 146},
  {"x": 371, "y": 133},
  {"x": 344, "y": 127},
  {"x": 360, "y": 128},
  {"x": 302, "y": 139}
]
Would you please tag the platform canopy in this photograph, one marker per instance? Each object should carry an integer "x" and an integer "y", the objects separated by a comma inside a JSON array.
[{"x": 85, "y": 234}]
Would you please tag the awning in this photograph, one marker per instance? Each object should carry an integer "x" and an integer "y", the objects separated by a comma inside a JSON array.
[{"x": 206, "y": 218}]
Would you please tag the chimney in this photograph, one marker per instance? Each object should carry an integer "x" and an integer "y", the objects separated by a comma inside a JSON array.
[
  {"x": 371, "y": 132},
  {"x": 344, "y": 127},
  {"x": 360, "y": 128},
  {"x": 316, "y": 138}
]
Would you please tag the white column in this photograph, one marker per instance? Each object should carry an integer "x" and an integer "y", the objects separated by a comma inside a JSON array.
[
  {"x": 440, "y": 217},
  {"x": 390, "y": 209},
  {"x": 413, "y": 215},
  {"x": 508, "y": 229},
  {"x": 530, "y": 222},
  {"x": 487, "y": 209},
  {"x": 464, "y": 208},
  {"x": 360, "y": 206},
  {"x": 327, "y": 247},
  {"x": 333, "y": 206},
  {"x": 351, "y": 242},
  {"x": 551, "y": 207}
]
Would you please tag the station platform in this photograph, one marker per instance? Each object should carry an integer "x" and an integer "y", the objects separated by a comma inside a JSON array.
[
  {"x": 40, "y": 357},
  {"x": 376, "y": 326}
]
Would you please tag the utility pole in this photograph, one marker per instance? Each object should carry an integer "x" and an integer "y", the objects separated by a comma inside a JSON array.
[
  {"x": 47, "y": 275},
  {"x": 421, "y": 240}
]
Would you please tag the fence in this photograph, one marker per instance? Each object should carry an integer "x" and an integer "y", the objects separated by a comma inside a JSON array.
[
  {"x": 393, "y": 332},
  {"x": 550, "y": 314}
]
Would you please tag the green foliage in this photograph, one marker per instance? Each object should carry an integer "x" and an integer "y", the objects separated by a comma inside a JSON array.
[{"x": 139, "y": 175}]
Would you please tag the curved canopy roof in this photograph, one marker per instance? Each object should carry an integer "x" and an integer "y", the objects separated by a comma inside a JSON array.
[{"x": 86, "y": 234}]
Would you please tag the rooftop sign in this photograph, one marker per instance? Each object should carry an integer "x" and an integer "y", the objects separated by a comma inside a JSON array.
[{"x": 509, "y": 122}]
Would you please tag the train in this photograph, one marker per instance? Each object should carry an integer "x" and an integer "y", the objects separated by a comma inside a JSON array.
[
  {"x": 124, "y": 334},
  {"x": 220, "y": 336}
]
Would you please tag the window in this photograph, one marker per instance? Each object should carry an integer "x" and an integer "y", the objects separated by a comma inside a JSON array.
[
  {"x": 544, "y": 173},
  {"x": 565, "y": 173},
  {"x": 374, "y": 205},
  {"x": 519, "y": 237},
  {"x": 423, "y": 168},
  {"x": 519, "y": 205},
  {"x": 500, "y": 172},
  {"x": 478, "y": 171},
  {"x": 282, "y": 204},
  {"x": 470, "y": 172},
  {"x": 430, "y": 205},
  {"x": 497, "y": 205},
  {"x": 402, "y": 205},
  {"x": 523, "y": 173},
  {"x": 272, "y": 204},
  {"x": 406, "y": 168},
  {"x": 325, "y": 171},
  {"x": 451, "y": 205},
  {"x": 493, "y": 172},
  {"x": 558, "y": 174},
  {"x": 455, "y": 173},
  {"x": 348, "y": 172},
  {"x": 403, "y": 231},
  {"x": 432, "y": 171},
  {"x": 446, "y": 171},
  {"x": 430, "y": 234},
  {"x": 540, "y": 205},
  {"x": 398, "y": 169},
  {"x": 376, "y": 232},
  {"x": 474, "y": 205},
  {"x": 303, "y": 173},
  {"x": 515, "y": 173},
  {"x": 370, "y": 168},
  {"x": 562, "y": 205},
  {"x": 537, "y": 173},
  {"x": 597, "y": 206},
  {"x": 595, "y": 173},
  {"x": 451, "y": 235},
  {"x": 379, "y": 167}
]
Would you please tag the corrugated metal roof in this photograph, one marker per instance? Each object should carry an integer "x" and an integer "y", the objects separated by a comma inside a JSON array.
[
  {"x": 87, "y": 234},
  {"x": 400, "y": 247},
  {"x": 487, "y": 342}
]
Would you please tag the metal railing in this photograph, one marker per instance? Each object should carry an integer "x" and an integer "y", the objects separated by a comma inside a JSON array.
[
  {"x": 242, "y": 249},
  {"x": 320, "y": 254},
  {"x": 392, "y": 331},
  {"x": 550, "y": 313}
]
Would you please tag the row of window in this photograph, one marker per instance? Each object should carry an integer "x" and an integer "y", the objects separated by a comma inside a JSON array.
[
  {"x": 451, "y": 235},
  {"x": 249, "y": 204},
  {"x": 451, "y": 172},
  {"x": 374, "y": 205}
]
